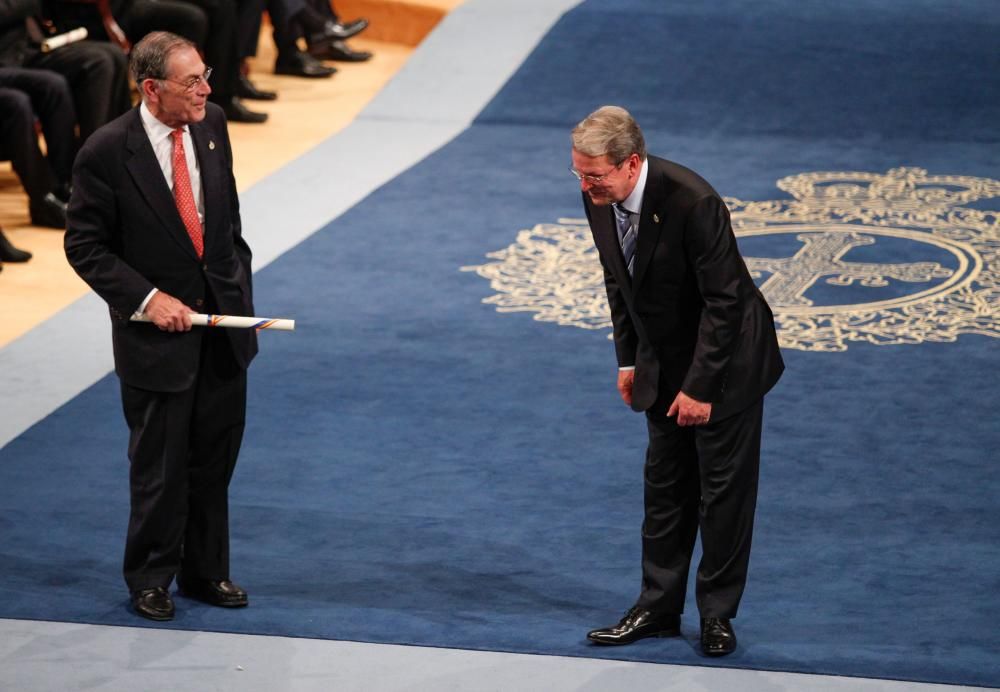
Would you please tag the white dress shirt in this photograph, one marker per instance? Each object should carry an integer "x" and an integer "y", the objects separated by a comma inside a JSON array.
[{"x": 163, "y": 148}]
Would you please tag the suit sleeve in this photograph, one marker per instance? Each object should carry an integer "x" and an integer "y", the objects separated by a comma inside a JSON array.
[
  {"x": 712, "y": 251},
  {"x": 622, "y": 329},
  {"x": 91, "y": 243}
]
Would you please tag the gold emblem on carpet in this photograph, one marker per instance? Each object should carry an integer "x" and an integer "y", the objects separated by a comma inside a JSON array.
[{"x": 896, "y": 258}]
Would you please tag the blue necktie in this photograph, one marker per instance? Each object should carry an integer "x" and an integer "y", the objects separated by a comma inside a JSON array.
[{"x": 626, "y": 235}]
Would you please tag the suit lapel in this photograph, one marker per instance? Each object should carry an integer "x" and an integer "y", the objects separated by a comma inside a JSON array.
[
  {"x": 207, "y": 152},
  {"x": 650, "y": 227},
  {"x": 148, "y": 178},
  {"x": 656, "y": 199}
]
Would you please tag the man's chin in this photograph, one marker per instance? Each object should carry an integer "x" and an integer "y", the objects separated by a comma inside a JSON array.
[{"x": 599, "y": 201}]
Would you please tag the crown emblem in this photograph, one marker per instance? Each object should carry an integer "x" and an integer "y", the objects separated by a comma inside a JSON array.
[{"x": 883, "y": 258}]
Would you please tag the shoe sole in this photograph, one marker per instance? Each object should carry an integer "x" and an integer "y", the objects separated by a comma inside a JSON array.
[
  {"x": 152, "y": 616},
  {"x": 662, "y": 634},
  {"x": 213, "y": 602}
]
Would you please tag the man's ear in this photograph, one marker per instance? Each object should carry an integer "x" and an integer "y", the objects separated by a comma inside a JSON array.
[{"x": 148, "y": 88}]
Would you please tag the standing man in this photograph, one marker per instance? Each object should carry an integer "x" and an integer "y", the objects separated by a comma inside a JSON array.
[
  {"x": 697, "y": 351},
  {"x": 154, "y": 228}
]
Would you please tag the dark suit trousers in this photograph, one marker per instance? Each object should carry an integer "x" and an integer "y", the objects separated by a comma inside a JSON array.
[
  {"x": 52, "y": 102},
  {"x": 97, "y": 73},
  {"x": 700, "y": 477},
  {"x": 183, "y": 448},
  {"x": 19, "y": 143}
]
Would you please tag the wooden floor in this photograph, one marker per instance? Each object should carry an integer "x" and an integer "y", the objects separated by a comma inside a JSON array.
[{"x": 307, "y": 112}]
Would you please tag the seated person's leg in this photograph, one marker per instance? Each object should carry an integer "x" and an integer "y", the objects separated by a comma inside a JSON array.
[
  {"x": 175, "y": 16},
  {"x": 19, "y": 143},
  {"x": 52, "y": 102},
  {"x": 97, "y": 74}
]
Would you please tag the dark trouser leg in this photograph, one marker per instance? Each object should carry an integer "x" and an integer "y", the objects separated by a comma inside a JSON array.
[
  {"x": 249, "y": 16},
  {"x": 671, "y": 513},
  {"x": 52, "y": 102},
  {"x": 729, "y": 456},
  {"x": 158, "y": 453},
  {"x": 286, "y": 30},
  {"x": 221, "y": 399},
  {"x": 221, "y": 51},
  {"x": 175, "y": 16},
  {"x": 97, "y": 75},
  {"x": 19, "y": 143},
  {"x": 183, "y": 448}
]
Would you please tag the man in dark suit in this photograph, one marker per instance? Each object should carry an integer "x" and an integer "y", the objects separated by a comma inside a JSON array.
[
  {"x": 154, "y": 229},
  {"x": 697, "y": 351}
]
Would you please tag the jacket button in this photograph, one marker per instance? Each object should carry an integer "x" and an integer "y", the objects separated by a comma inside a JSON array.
[
  {"x": 199, "y": 302},
  {"x": 204, "y": 267}
]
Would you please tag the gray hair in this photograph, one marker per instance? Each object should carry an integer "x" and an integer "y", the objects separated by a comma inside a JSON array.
[
  {"x": 609, "y": 131},
  {"x": 149, "y": 56}
]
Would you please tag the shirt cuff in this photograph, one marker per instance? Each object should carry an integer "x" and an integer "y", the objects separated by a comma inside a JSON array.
[
  {"x": 142, "y": 307},
  {"x": 626, "y": 367}
]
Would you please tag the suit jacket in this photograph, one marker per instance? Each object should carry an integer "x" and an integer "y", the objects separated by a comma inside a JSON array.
[
  {"x": 691, "y": 318},
  {"x": 125, "y": 236}
]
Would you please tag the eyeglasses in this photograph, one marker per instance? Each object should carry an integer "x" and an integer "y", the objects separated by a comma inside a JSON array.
[
  {"x": 192, "y": 83},
  {"x": 593, "y": 179}
]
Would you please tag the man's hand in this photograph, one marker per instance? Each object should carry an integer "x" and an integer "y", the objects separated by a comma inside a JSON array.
[
  {"x": 689, "y": 411},
  {"x": 625, "y": 379},
  {"x": 168, "y": 313}
]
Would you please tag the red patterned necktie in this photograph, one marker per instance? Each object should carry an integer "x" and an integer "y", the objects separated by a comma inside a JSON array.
[{"x": 183, "y": 196}]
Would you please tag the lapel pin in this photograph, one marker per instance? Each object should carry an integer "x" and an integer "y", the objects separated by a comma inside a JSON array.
[
  {"x": 211, "y": 144},
  {"x": 656, "y": 218}
]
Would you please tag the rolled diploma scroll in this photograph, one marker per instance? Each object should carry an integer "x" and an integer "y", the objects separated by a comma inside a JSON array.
[
  {"x": 53, "y": 42},
  {"x": 235, "y": 321}
]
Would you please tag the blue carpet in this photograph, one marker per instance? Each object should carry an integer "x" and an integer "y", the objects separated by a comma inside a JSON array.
[{"x": 422, "y": 469}]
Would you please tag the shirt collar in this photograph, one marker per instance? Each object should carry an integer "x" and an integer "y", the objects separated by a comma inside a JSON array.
[
  {"x": 156, "y": 130},
  {"x": 633, "y": 203}
]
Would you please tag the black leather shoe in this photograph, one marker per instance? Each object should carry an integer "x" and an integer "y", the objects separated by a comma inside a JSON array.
[
  {"x": 303, "y": 65},
  {"x": 154, "y": 604},
  {"x": 9, "y": 253},
  {"x": 218, "y": 593},
  {"x": 637, "y": 624},
  {"x": 49, "y": 211},
  {"x": 334, "y": 31},
  {"x": 717, "y": 637},
  {"x": 338, "y": 50},
  {"x": 246, "y": 89},
  {"x": 342, "y": 30},
  {"x": 236, "y": 112}
]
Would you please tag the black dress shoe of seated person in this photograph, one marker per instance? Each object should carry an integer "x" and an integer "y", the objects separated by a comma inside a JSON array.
[
  {"x": 338, "y": 50},
  {"x": 343, "y": 30},
  {"x": 49, "y": 211},
  {"x": 153, "y": 604},
  {"x": 638, "y": 623},
  {"x": 9, "y": 253},
  {"x": 246, "y": 89},
  {"x": 222, "y": 593},
  {"x": 302, "y": 65},
  {"x": 236, "y": 112},
  {"x": 717, "y": 637}
]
